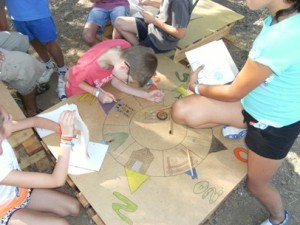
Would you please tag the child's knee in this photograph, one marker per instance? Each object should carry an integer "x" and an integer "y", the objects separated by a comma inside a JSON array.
[
  {"x": 88, "y": 37},
  {"x": 178, "y": 111},
  {"x": 119, "y": 22},
  {"x": 75, "y": 208}
]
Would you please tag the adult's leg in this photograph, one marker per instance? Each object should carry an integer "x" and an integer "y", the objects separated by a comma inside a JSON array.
[
  {"x": 56, "y": 53},
  {"x": 40, "y": 49},
  {"x": 259, "y": 183},
  {"x": 29, "y": 102},
  {"x": 52, "y": 201},
  {"x": 201, "y": 112},
  {"x": 3, "y": 20},
  {"x": 125, "y": 27}
]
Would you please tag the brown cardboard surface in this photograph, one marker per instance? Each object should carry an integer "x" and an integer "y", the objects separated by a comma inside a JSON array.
[
  {"x": 12, "y": 107},
  {"x": 207, "y": 18},
  {"x": 145, "y": 178}
]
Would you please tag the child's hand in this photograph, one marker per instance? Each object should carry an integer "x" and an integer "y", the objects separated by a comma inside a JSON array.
[
  {"x": 155, "y": 95},
  {"x": 106, "y": 97},
  {"x": 66, "y": 122},
  {"x": 193, "y": 78},
  {"x": 144, "y": 2},
  {"x": 148, "y": 17}
]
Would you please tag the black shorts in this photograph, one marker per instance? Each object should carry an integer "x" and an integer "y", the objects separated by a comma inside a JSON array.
[
  {"x": 143, "y": 36},
  {"x": 272, "y": 142}
]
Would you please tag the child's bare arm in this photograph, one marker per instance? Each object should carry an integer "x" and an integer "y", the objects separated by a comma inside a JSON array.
[
  {"x": 103, "y": 96},
  {"x": 59, "y": 174},
  {"x": 153, "y": 3},
  {"x": 155, "y": 95},
  {"x": 34, "y": 122}
]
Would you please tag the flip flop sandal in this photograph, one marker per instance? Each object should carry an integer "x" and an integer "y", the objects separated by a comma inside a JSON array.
[
  {"x": 42, "y": 88},
  {"x": 269, "y": 222}
]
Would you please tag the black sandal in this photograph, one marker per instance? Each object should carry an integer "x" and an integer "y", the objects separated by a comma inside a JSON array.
[{"x": 42, "y": 88}]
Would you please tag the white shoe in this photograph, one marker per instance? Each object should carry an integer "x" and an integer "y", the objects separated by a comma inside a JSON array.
[
  {"x": 46, "y": 75},
  {"x": 233, "y": 132},
  {"x": 61, "y": 88},
  {"x": 284, "y": 222}
]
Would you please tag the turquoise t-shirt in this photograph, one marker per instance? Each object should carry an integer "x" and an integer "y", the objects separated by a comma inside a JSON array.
[
  {"x": 276, "y": 102},
  {"x": 28, "y": 10}
]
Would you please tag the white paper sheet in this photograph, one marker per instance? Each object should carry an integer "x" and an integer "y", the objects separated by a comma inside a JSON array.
[
  {"x": 86, "y": 156},
  {"x": 54, "y": 116},
  {"x": 135, "y": 4},
  {"x": 219, "y": 67}
]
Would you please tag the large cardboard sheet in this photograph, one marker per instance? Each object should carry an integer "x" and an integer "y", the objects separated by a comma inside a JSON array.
[
  {"x": 207, "y": 18},
  {"x": 146, "y": 178}
]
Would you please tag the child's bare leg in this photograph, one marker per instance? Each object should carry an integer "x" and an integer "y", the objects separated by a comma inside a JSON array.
[
  {"x": 32, "y": 217},
  {"x": 201, "y": 112},
  {"x": 89, "y": 34},
  {"x": 125, "y": 27},
  {"x": 52, "y": 201},
  {"x": 259, "y": 183}
]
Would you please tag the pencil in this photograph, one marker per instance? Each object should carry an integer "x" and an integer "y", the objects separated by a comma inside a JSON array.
[
  {"x": 168, "y": 107},
  {"x": 190, "y": 162},
  {"x": 171, "y": 123}
]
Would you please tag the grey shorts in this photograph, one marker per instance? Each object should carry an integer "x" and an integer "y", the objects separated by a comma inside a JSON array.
[
  {"x": 20, "y": 71},
  {"x": 14, "y": 41}
]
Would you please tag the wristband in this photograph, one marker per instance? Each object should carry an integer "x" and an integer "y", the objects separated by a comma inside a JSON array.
[
  {"x": 66, "y": 144},
  {"x": 196, "y": 89},
  {"x": 97, "y": 93}
]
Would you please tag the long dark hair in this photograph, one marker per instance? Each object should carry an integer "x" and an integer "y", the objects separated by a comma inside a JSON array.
[{"x": 294, "y": 7}]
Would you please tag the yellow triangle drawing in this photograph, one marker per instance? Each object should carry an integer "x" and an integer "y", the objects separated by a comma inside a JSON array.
[{"x": 135, "y": 179}]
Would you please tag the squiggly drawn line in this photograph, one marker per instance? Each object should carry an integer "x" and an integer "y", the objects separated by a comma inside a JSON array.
[
  {"x": 203, "y": 188},
  {"x": 128, "y": 207},
  {"x": 184, "y": 78}
]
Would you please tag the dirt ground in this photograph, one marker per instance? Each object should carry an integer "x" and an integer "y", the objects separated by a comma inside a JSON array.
[{"x": 240, "y": 208}]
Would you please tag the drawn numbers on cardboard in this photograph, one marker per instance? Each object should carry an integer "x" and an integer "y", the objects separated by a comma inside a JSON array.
[{"x": 125, "y": 109}]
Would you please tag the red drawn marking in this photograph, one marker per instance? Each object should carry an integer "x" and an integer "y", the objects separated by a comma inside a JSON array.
[{"x": 237, "y": 152}]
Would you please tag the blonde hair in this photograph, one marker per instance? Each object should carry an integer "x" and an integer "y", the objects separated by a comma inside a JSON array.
[{"x": 142, "y": 62}]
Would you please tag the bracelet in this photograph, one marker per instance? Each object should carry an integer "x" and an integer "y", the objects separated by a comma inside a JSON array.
[
  {"x": 66, "y": 138},
  {"x": 66, "y": 144},
  {"x": 196, "y": 89},
  {"x": 97, "y": 93}
]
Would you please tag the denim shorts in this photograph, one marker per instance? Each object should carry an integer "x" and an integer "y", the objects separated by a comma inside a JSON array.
[
  {"x": 100, "y": 16},
  {"x": 271, "y": 142},
  {"x": 143, "y": 36},
  {"x": 43, "y": 29}
]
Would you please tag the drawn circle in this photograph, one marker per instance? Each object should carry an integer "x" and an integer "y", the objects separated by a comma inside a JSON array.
[
  {"x": 154, "y": 134},
  {"x": 238, "y": 152},
  {"x": 141, "y": 142},
  {"x": 162, "y": 115}
]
